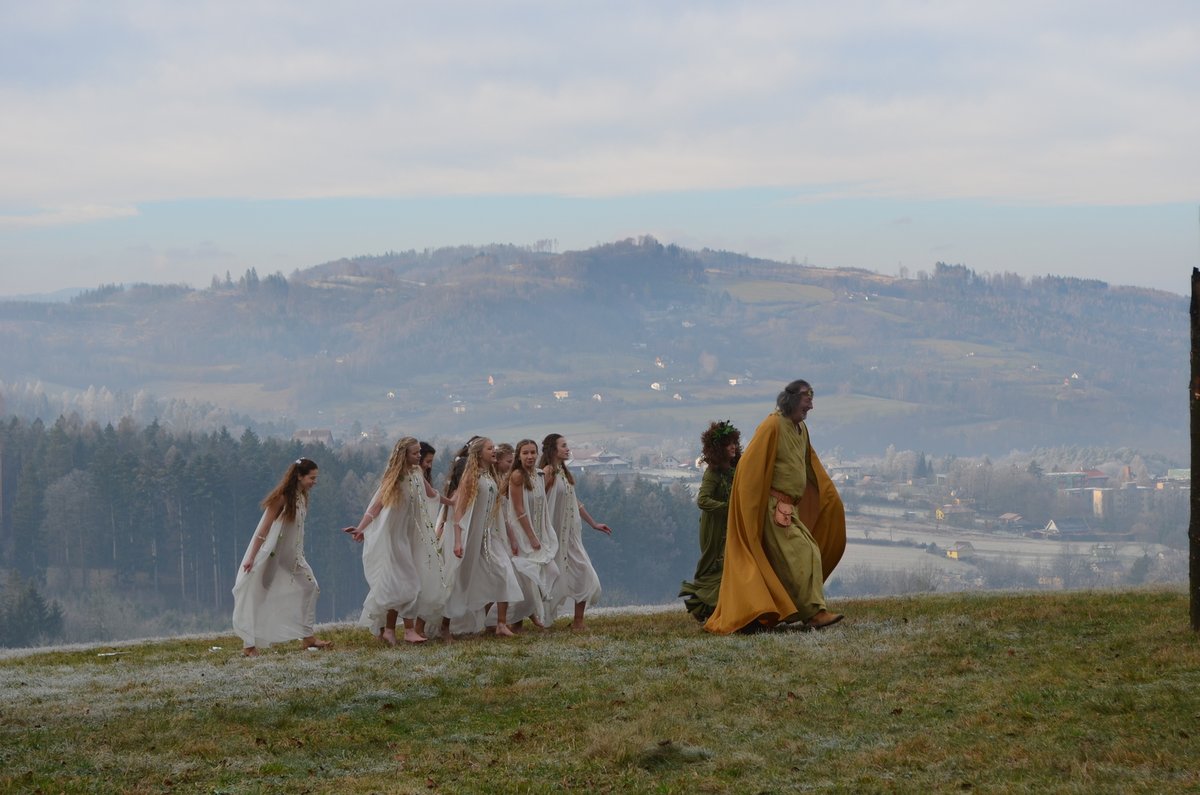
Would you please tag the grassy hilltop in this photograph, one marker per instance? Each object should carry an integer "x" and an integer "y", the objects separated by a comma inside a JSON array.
[{"x": 1074, "y": 692}]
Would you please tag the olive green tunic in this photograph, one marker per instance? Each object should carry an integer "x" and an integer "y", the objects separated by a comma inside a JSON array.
[
  {"x": 792, "y": 550},
  {"x": 700, "y": 595}
]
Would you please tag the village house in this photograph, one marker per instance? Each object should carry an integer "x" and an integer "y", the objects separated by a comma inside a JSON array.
[
  {"x": 601, "y": 463},
  {"x": 314, "y": 436}
]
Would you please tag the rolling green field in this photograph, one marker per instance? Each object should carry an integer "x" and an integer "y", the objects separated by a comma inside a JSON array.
[
  {"x": 1084, "y": 692},
  {"x": 773, "y": 292}
]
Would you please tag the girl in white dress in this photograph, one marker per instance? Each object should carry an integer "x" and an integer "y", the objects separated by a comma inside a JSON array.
[
  {"x": 445, "y": 544},
  {"x": 427, "y": 454},
  {"x": 400, "y": 558},
  {"x": 537, "y": 543},
  {"x": 484, "y": 575},
  {"x": 577, "y": 580},
  {"x": 434, "y": 506},
  {"x": 275, "y": 594}
]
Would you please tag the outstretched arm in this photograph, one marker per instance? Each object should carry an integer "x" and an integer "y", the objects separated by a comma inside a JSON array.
[
  {"x": 431, "y": 492},
  {"x": 603, "y": 528},
  {"x": 369, "y": 515}
]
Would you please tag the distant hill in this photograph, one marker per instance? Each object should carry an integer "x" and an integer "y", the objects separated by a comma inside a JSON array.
[{"x": 634, "y": 339}]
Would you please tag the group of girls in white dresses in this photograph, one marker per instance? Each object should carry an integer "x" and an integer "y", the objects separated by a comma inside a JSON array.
[{"x": 503, "y": 543}]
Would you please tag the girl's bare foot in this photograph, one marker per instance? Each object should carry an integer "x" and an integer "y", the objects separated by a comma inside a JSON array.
[
  {"x": 577, "y": 624},
  {"x": 388, "y": 635},
  {"x": 412, "y": 636},
  {"x": 502, "y": 631},
  {"x": 315, "y": 643},
  {"x": 537, "y": 622},
  {"x": 249, "y": 651}
]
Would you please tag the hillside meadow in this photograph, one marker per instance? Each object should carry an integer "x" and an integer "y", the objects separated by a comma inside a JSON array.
[{"x": 1076, "y": 692}]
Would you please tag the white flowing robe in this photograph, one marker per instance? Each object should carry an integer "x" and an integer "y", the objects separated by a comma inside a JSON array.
[
  {"x": 276, "y": 600},
  {"x": 537, "y": 570},
  {"x": 484, "y": 575},
  {"x": 577, "y": 580},
  {"x": 400, "y": 558}
]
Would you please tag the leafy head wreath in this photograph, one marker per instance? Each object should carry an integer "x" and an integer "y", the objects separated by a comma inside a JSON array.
[{"x": 723, "y": 429}]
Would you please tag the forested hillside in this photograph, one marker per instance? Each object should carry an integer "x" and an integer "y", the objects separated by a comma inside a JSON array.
[{"x": 639, "y": 341}]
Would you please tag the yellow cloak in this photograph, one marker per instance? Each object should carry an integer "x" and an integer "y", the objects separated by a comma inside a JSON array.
[{"x": 750, "y": 590}]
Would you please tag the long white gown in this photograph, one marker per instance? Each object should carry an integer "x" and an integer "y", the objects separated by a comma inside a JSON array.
[
  {"x": 400, "y": 559},
  {"x": 485, "y": 573},
  {"x": 276, "y": 600},
  {"x": 449, "y": 569},
  {"x": 537, "y": 570},
  {"x": 577, "y": 580}
]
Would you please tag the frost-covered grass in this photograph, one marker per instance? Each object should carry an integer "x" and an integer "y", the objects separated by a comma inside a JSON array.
[{"x": 1079, "y": 692}]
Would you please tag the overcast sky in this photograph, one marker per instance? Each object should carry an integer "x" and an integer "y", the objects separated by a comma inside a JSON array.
[{"x": 171, "y": 141}]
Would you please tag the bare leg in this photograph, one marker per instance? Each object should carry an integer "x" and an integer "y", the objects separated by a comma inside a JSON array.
[
  {"x": 578, "y": 622},
  {"x": 420, "y": 627},
  {"x": 446, "y": 630},
  {"x": 249, "y": 651},
  {"x": 388, "y": 633},
  {"x": 502, "y": 629},
  {"x": 410, "y": 634}
]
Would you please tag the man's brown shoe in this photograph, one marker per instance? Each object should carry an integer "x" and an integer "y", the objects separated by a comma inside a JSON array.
[{"x": 823, "y": 619}]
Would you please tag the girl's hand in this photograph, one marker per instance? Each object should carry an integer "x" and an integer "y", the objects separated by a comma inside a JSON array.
[
  {"x": 603, "y": 528},
  {"x": 535, "y": 545},
  {"x": 515, "y": 550},
  {"x": 354, "y": 532},
  {"x": 247, "y": 566},
  {"x": 458, "y": 550}
]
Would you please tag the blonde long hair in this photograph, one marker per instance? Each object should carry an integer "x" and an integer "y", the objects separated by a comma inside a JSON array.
[
  {"x": 469, "y": 483},
  {"x": 502, "y": 450},
  {"x": 391, "y": 485}
]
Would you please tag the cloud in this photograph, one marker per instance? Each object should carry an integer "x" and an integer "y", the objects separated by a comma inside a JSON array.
[
  {"x": 65, "y": 216},
  {"x": 1071, "y": 102}
]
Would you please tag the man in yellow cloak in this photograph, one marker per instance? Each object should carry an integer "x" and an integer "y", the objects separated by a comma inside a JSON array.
[{"x": 787, "y": 527}]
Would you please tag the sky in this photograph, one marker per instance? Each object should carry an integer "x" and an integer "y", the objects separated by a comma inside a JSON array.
[{"x": 169, "y": 142}]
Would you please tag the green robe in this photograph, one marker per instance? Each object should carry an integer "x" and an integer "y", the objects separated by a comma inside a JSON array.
[
  {"x": 792, "y": 550},
  {"x": 700, "y": 594}
]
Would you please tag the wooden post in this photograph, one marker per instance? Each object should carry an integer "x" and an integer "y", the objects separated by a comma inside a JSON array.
[{"x": 1194, "y": 405}]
